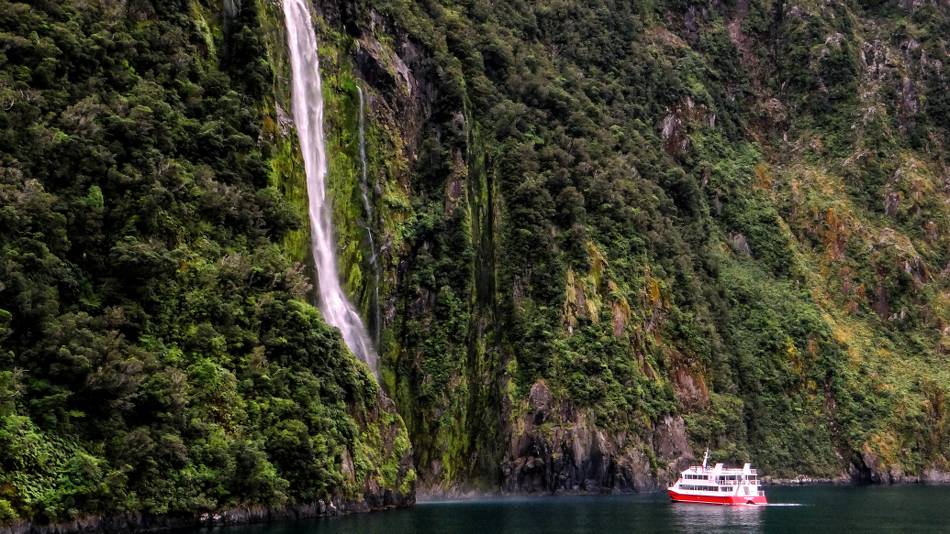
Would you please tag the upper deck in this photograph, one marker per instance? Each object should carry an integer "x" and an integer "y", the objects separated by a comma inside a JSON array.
[
  {"x": 722, "y": 470},
  {"x": 721, "y": 475}
]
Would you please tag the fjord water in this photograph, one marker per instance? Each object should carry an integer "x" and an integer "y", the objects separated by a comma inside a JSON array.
[
  {"x": 307, "y": 98},
  {"x": 793, "y": 509}
]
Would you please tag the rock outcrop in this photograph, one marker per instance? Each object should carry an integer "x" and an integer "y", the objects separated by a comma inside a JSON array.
[{"x": 556, "y": 448}]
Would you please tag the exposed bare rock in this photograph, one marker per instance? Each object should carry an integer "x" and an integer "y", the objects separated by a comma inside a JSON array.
[
  {"x": 669, "y": 440},
  {"x": 384, "y": 69},
  {"x": 935, "y": 476},
  {"x": 881, "y": 305},
  {"x": 675, "y": 126},
  {"x": 555, "y": 448},
  {"x": 892, "y": 201},
  {"x": 739, "y": 243},
  {"x": 284, "y": 121},
  {"x": 691, "y": 389}
]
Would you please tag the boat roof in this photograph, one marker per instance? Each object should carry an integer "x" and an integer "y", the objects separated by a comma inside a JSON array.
[{"x": 720, "y": 469}]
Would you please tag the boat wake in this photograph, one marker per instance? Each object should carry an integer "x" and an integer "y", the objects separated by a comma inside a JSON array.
[{"x": 774, "y": 504}]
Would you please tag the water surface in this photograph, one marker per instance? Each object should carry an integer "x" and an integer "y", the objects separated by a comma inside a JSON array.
[{"x": 793, "y": 509}]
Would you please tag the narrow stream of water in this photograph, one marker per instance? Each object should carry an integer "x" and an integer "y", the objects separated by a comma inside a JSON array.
[
  {"x": 308, "y": 117},
  {"x": 368, "y": 210}
]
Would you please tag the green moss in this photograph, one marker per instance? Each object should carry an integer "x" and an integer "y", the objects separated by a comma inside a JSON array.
[{"x": 210, "y": 35}]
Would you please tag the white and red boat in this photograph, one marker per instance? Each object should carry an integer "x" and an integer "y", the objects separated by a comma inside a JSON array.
[{"x": 719, "y": 485}]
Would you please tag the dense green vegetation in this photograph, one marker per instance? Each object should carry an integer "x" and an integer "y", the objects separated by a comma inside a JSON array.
[
  {"x": 731, "y": 212},
  {"x": 735, "y": 214},
  {"x": 157, "y": 351}
]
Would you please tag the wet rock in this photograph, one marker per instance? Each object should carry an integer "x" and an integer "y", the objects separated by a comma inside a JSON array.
[
  {"x": 670, "y": 438},
  {"x": 867, "y": 467},
  {"x": 557, "y": 449},
  {"x": 376, "y": 66},
  {"x": 935, "y": 476}
]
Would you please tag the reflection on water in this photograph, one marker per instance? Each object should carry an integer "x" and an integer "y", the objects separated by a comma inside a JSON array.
[{"x": 706, "y": 518}]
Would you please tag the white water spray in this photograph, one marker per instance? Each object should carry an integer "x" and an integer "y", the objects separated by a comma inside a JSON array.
[
  {"x": 368, "y": 210},
  {"x": 308, "y": 116}
]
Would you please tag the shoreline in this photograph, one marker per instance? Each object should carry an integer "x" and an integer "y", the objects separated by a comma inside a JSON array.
[
  {"x": 238, "y": 515},
  {"x": 247, "y": 515},
  {"x": 428, "y": 497}
]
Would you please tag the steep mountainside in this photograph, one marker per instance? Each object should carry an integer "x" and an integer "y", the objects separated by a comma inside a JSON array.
[
  {"x": 591, "y": 239},
  {"x": 159, "y": 354},
  {"x": 615, "y": 233}
]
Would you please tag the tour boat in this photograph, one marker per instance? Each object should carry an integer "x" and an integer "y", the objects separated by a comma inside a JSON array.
[{"x": 719, "y": 485}]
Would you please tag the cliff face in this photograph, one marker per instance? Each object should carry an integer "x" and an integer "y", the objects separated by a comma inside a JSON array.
[
  {"x": 556, "y": 448},
  {"x": 614, "y": 234}
]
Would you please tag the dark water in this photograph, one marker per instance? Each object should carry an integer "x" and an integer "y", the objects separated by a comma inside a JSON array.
[{"x": 792, "y": 509}]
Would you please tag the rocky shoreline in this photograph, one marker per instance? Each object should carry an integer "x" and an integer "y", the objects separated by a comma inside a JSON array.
[
  {"x": 931, "y": 477},
  {"x": 804, "y": 480},
  {"x": 239, "y": 515}
]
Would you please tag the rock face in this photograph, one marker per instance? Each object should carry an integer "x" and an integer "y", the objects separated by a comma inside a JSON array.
[
  {"x": 555, "y": 448},
  {"x": 870, "y": 468},
  {"x": 935, "y": 476}
]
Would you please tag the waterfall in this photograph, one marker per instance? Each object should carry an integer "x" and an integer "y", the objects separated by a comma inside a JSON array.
[
  {"x": 308, "y": 116},
  {"x": 368, "y": 210}
]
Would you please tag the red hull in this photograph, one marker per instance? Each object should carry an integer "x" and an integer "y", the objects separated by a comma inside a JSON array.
[{"x": 717, "y": 499}]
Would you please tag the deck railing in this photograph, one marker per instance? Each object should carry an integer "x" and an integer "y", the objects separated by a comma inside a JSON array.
[{"x": 700, "y": 469}]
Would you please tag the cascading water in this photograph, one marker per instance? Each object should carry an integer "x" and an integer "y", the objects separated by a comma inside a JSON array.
[
  {"x": 308, "y": 116},
  {"x": 368, "y": 210}
]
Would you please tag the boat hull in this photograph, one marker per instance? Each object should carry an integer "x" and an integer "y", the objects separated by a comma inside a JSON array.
[{"x": 723, "y": 500}]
